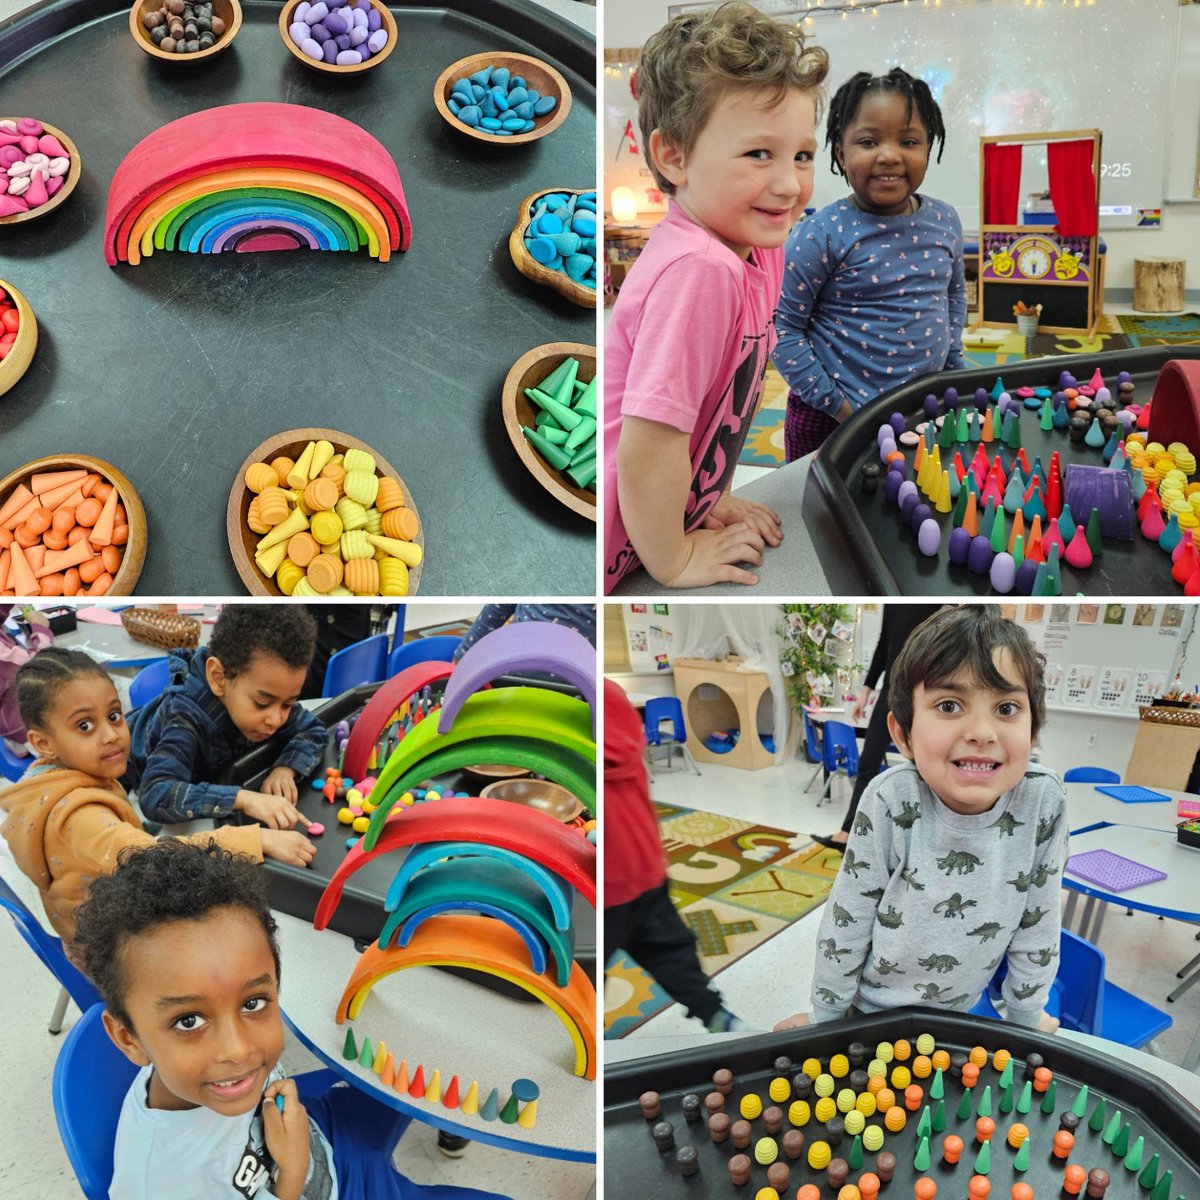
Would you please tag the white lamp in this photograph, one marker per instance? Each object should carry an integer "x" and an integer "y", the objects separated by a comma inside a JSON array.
[{"x": 623, "y": 205}]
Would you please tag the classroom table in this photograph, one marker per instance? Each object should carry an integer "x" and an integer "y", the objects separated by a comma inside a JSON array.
[
  {"x": 114, "y": 648},
  {"x": 1087, "y": 808},
  {"x": 441, "y": 1021}
]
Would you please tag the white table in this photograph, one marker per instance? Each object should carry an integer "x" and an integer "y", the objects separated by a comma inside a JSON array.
[
  {"x": 441, "y": 1021},
  {"x": 115, "y": 649},
  {"x": 1087, "y": 807}
]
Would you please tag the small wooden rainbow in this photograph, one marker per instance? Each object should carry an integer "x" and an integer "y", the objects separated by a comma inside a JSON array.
[{"x": 254, "y": 177}]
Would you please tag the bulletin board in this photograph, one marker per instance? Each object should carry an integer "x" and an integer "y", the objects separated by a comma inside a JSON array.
[
  {"x": 650, "y": 637},
  {"x": 1106, "y": 658}
]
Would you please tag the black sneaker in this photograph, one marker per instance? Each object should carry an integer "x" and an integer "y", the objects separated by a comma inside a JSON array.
[{"x": 452, "y": 1146}]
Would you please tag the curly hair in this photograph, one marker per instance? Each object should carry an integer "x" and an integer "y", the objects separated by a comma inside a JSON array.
[
  {"x": 849, "y": 96},
  {"x": 693, "y": 60},
  {"x": 283, "y": 631},
  {"x": 41, "y": 679},
  {"x": 153, "y": 886},
  {"x": 966, "y": 639}
]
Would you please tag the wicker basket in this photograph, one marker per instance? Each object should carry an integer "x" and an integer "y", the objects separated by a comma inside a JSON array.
[
  {"x": 1170, "y": 716},
  {"x": 168, "y": 631}
]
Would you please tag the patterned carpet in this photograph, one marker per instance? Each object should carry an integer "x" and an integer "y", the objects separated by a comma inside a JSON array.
[
  {"x": 736, "y": 884},
  {"x": 764, "y": 442}
]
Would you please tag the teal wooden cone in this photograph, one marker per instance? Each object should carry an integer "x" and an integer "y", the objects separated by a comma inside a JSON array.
[
  {"x": 586, "y": 402},
  {"x": 367, "y": 1057}
]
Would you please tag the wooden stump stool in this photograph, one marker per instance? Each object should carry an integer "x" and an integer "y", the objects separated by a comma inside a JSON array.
[{"x": 1158, "y": 284}]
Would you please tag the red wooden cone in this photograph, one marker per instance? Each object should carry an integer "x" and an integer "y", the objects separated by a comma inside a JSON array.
[{"x": 450, "y": 1096}]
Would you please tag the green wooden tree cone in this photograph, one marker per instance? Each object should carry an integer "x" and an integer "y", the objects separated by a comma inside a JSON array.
[
  {"x": 556, "y": 456},
  {"x": 564, "y": 388},
  {"x": 983, "y": 1160},
  {"x": 1048, "y": 1100},
  {"x": 964, "y": 1105},
  {"x": 855, "y": 1158},
  {"x": 1018, "y": 550},
  {"x": 1162, "y": 1189},
  {"x": 552, "y": 433},
  {"x": 1133, "y": 1160},
  {"x": 960, "y": 506},
  {"x": 568, "y": 367},
  {"x": 999, "y": 533},
  {"x": 1014, "y": 434},
  {"x": 985, "y": 1103},
  {"x": 925, "y": 1124},
  {"x": 939, "y": 1117},
  {"x": 1006, "y": 1076},
  {"x": 1047, "y": 418},
  {"x": 937, "y": 1089},
  {"x": 581, "y": 433},
  {"x": 1092, "y": 533},
  {"x": 586, "y": 403},
  {"x": 1021, "y": 1161},
  {"x": 1079, "y": 1104},
  {"x": 946, "y": 434},
  {"x": 510, "y": 1111},
  {"x": 1112, "y": 1128},
  {"x": 367, "y": 1057},
  {"x": 1120, "y": 1145},
  {"x": 921, "y": 1158},
  {"x": 567, "y": 417},
  {"x": 349, "y": 1049},
  {"x": 1007, "y": 1099},
  {"x": 1096, "y": 1120},
  {"x": 1025, "y": 1099},
  {"x": 1149, "y": 1174},
  {"x": 963, "y": 431}
]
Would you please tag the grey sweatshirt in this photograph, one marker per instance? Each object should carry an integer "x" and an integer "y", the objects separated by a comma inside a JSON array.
[{"x": 928, "y": 901}]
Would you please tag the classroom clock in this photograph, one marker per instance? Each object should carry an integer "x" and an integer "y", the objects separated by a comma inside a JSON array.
[{"x": 1033, "y": 257}]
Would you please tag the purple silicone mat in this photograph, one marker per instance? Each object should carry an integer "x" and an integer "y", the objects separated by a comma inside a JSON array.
[{"x": 1112, "y": 871}]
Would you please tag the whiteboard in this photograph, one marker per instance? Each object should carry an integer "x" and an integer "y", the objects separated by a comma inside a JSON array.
[{"x": 999, "y": 67}]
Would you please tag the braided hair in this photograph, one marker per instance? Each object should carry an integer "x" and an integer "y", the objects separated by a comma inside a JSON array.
[
  {"x": 849, "y": 96},
  {"x": 41, "y": 679}
]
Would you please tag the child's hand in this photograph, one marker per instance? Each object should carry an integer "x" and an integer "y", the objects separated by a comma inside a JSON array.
[
  {"x": 712, "y": 555},
  {"x": 1047, "y": 1023},
  {"x": 286, "y": 1135},
  {"x": 281, "y": 782},
  {"x": 272, "y": 811},
  {"x": 730, "y": 510},
  {"x": 795, "y": 1021},
  {"x": 288, "y": 846}
]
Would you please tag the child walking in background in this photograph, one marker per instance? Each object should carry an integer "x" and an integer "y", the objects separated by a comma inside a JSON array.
[
  {"x": 956, "y": 857},
  {"x": 67, "y": 818},
  {"x": 15, "y": 652},
  {"x": 874, "y": 292},
  {"x": 727, "y": 106}
]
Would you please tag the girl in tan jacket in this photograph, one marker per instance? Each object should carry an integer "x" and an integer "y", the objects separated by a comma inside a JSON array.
[{"x": 68, "y": 818}]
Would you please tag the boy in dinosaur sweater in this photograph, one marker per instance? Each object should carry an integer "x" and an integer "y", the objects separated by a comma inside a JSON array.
[{"x": 956, "y": 856}]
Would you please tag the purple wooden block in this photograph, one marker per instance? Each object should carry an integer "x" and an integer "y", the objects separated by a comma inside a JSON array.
[{"x": 1086, "y": 487}]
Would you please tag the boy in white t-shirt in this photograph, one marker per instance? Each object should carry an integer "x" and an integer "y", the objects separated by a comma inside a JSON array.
[{"x": 727, "y": 104}]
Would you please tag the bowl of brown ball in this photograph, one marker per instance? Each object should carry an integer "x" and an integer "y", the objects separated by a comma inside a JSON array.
[
  {"x": 381, "y": 31},
  {"x": 532, "y": 73},
  {"x": 185, "y": 31},
  {"x": 316, "y": 512},
  {"x": 521, "y": 413},
  {"x": 70, "y": 525}
]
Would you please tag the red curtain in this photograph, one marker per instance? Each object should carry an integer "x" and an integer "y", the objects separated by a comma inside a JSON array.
[
  {"x": 1073, "y": 187},
  {"x": 1002, "y": 182}
]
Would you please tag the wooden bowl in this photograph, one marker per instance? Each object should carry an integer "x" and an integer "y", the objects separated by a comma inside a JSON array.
[
  {"x": 125, "y": 580},
  {"x": 20, "y": 356},
  {"x": 389, "y": 23},
  {"x": 528, "y": 371},
  {"x": 540, "y": 75},
  {"x": 230, "y": 11},
  {"x": 71, "y": 177},
  {"x": 551, "y": 798},
  {"x": 496, "y": 771},
  {"x": 243, "y": 539},
  {"x": 529, "y": 266}
]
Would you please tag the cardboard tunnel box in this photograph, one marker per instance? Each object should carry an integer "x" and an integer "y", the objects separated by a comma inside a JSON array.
[
  {"x": 1164, "y": 750},
  {"x": 721, "y": 696}
]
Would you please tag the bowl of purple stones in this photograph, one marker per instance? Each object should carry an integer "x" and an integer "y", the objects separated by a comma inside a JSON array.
[
  {"x": 185, "y": 30},
  {"x": 342, "y": 39},
  {"x": 502, "y": 97}
]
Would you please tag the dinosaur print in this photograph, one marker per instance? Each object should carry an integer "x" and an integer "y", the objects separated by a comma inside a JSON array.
[
  {"x": 910, "y": 877},
  {"x": 962, "y": 862},
  {"x": 1043, "y": 874},
  {"x": 853, "y": 864},
  {"x": 841, "y": 916},
  {"x": 1031, "y": 916},
  {"x": 884, "y": 966},
  {"x": 908, "y": 815},
  {"x": 1022, "y": 881},
  {"x": 984, "y": 932},
  {"x": 941, "y": 963},
  {"x": 1043, "y": 957},
  {"x": 890, "y": 918},
  {"x": 862, "y": 824},
  {"x": 830, "y": 947},
  {"x": 875, "y": 894},
  {"x": 1026, "y": 990},
  {"x": 930, "y": 991},
  {"x": 955, "y": 906},
  {"x": 1007, "y": 824},
  {"x": 828, "y": 997},
  {"x": 1046, "y": 828}
]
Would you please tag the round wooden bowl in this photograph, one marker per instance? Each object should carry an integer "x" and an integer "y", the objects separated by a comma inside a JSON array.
[
  {"x": 529, "y": 266},
  {"x": 125, "y": 580},
  {"x": 551, "y": 798},
  {"x": 20, "y": 356},
  {"x": 528, "y": 371},
  {"x": 538, "y": 74},
  {"x": 389, "y": 23},
  {"x": 243, "y": 539},
  {"x": 230, "y": 11},
  {"x": 71, "y": 177}
]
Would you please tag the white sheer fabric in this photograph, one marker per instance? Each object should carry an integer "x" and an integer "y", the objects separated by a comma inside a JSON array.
[{"x": 715, "y": 631}]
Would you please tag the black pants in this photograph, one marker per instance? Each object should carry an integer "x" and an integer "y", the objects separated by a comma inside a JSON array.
[
  {"x": 654, "y": 935},
  {"x": 873, "y": 756}
]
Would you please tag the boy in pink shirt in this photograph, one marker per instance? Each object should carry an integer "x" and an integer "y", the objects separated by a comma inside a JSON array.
[{"x": 727, "y": 107}]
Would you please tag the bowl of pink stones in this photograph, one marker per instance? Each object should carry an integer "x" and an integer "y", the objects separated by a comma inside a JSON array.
[
  {"x": 339, "y": 39},
  {"x": 39, "y": 168},
  {"x": 185, "y": 31}
]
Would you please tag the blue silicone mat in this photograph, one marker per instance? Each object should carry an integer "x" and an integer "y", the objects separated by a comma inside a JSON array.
[{"x": 1131, "y": 793}]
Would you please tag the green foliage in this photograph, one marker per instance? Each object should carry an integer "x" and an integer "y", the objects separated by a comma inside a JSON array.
[{"x": 804, "y": 659}]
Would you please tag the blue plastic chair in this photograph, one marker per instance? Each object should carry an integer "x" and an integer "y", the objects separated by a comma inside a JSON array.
[
  {"x": 12, "y": 765},
  {"x": 430, "y": 649},
  {"x": 364, "y": 662},
  {"x": 814, "y": 752},
  {"x": 667, "y": 708},
  {"x": 1090, "y": 775},
  {"x": 75, "y": 985},
  {"x": 840, "y": 752},
  {"x": 91, "y": 1077},
  {"x": 149, "y": 682}
]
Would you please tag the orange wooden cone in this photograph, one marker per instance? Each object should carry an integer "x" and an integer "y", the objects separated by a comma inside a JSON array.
[
  {"x": 15, "y": 519},
  {"x": 1033, "y": 547},
  {"x": 47, "y": 480},
  {"x": 102, "y": 531},
  {"x": 1018, "y": 529},
  {"x": 416, "y": 1088},
  {"x": 21, "y": 578},
  {"x": 450, "y": 1099},
  {"x": 56, "y": 496},
  {"x": 73, "y": 501},
  {"x": 388, "y": 1075},
  {"x": 986, "y": 432},
  {"x": 72, "y": 556},
  {"x": 401, "y": 1083},
  {"x": 20, "y": 496},
  {"x": 971, "y": 516},
  {"x": 36, "y": 556},
  {"x": 5, "y": 564}
]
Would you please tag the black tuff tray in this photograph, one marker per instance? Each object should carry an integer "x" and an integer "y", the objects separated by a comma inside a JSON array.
[{"x": 174, "y": 370}]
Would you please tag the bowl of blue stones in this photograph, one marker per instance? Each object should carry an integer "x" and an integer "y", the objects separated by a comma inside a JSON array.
[
  {"x": 502, "y": 97},
  {"x": 339, "y": 39},
  {"x": 554, "y": 242}
]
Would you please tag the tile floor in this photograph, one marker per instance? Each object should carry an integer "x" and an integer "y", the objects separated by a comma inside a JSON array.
[{"x": 773, "y": 981}]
